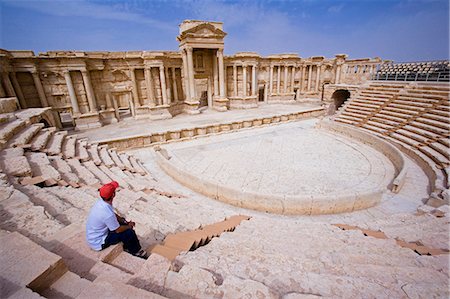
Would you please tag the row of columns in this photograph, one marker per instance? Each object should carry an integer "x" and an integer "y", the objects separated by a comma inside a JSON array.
[
  {"x": 278, "y": 78},
  {"x": 92, "y": 102},
  {"x": 13, "y": 88},
  {"x": 244, "y": 80}
]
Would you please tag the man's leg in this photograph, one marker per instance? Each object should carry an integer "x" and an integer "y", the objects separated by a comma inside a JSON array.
[{"x": 128, "y": 237}]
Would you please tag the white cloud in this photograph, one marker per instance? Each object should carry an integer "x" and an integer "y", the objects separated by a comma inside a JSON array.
[
  {"x": 335, "y": 8},
  {"x": 83, "y": 8}
]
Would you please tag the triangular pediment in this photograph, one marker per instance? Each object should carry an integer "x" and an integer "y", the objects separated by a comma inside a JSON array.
[{"x": 204, "y": 30}]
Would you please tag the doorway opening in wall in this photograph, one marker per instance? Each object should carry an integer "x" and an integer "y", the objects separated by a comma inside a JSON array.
[
  {"x": 261, "y": 95},
  {"x": 295, "y": 94},
  {"x": 339, "y": 97},
  {"x": 204, "y": 99}
]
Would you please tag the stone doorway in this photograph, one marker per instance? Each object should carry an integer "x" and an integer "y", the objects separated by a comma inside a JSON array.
[
  {"x": 261, "y": 94},
  {"x": 339, "y": 97}
]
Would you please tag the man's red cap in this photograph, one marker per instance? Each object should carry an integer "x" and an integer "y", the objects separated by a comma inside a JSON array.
[{"x": 107, "y": 191}]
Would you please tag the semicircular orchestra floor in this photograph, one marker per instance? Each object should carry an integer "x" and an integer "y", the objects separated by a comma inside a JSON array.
[{"x": 290, "y": 159}]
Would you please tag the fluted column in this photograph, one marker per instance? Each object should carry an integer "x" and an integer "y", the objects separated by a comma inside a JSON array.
[
  {"x": 235, "y": 85},
  {"x": 309, "y": 76},
  {"x": 285, "y": 80},
  {"x": 271, "y": 80},
  {"x": 149, "y": 86},
  {"x": 292, "y": 78},
  {"x": 162, "y": 78},
  {"x": 40, "y": 89},
  {"x": 278, "y": 79},
  {"x": 168, "y": 85},
  {"x": 191, "y": 72},
  {"x": 215, "y": 75},
  {"x": 72, "y": 95},
  {"x": 18, "y": 89},
  {"x": 134, "y": 88},
  {"x": 221, "y": 74},
  {"x": 253, "y": 80},
  {"x": 186, "y": 75},
  {"x": 175, "y": 85},
  {"x": 319, "y": 68},
  {"x": 244, "y": 80}
]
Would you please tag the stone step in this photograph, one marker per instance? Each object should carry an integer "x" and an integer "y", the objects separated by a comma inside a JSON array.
[
  {"x": 441, "y": 149},
  {"x": 20, "y": 214},
  {"x": 69, "y": 285},
  {"x": 115, "y": 157},
  {"x": 9, "y": 129},
  {"x": 79, "y": 257},
  {"x": 65, "y": 170},
  {"x": 116, "y": 290},
  {"x": 39, "y": 142},
  {"x": 74, "y": 197},
  {"x": 81, "y": 151},
  {"x": 40, "y": 166},
  {"x": 24, "y": 263},
  {"x": 441, "y": 119},
  {"x": 125, "y": 160},
  {"x": 82, "y": 172},
  {"x": 114, "y": 177},
  {"x": 93, "y": 153},
  {"x": 53, "y": 205},
  {"x": 100, "y": 175},
  {"x": 104, "y": 156},
  {"x": 127, "y": 263},
  {"x": 134, "y": 183},
  {"x": 152, "y": 275},
  {"x": 54, "y": 146},
  {"x": 13, "y": 162},
  {"x": 137, "y": 166},
  {"x": 69, "y": 147},
  {"x": 434, "y": 155},
  {"x": 25, "y": 136}
]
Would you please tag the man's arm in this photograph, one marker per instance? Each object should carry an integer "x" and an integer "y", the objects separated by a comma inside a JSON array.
[
  {"x": 121, "y": 220},
  {"x": 124, "y": 227}
]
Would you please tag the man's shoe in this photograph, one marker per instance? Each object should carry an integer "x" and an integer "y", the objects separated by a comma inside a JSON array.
[{"x": 142, "y": 254}]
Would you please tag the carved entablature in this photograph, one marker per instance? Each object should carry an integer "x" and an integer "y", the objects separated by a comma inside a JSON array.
[
  {"x": 201, "y": 34},
  {"x": 204, "y": 30}
]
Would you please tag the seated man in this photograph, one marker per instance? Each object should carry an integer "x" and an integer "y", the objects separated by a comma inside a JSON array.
[{"x": 105, "y": 228}]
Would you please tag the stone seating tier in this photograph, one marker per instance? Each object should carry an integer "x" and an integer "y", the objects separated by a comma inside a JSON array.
[{"x": 417, "y": 117}]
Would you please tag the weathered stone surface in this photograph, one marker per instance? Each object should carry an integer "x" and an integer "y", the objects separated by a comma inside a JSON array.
[{"x": 152, "y": 275}]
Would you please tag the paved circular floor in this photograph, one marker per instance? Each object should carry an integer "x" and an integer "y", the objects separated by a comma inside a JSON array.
[{"x": 291, "y": 159}]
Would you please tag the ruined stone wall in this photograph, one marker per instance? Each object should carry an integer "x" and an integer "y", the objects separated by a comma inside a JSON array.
[{"x": 91, "y": 89}]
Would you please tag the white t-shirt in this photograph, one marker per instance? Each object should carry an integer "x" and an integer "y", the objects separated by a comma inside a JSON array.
[{"x": 101, "y": 220}]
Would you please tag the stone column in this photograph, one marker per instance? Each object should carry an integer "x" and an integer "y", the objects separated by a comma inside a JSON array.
[
  {"x": 2, "y": 91},
  {"x": 7, "y": 82},
  {"x": 302, "y": 79},
  {"x": 190, "y": 62},
  {"x": 89, "y": 91},
  {"x": 39, "y": 88},
  {"x": 221, "y": 74},
  {"x": 244, "y": 80},
  {"x": 253, "y": 80},
  {"x": 309, "y": 77},
  {"x": 292, "y": 78},
  {"x": 175, "y": 85},
  {"x": 278, "y": 79},
  {"x": 149, "y": 86},
  {"x": 338, "y": 74},
  {"x": 215, "y": 76},
  {"x": 72, "y": 95},
  {"x": 162, "y": 77},
  {"x": 319, "y": 68},
  {"x": 271, "y": 80},
  {"x": 135, "y": 88},
  {"x": 18, "y": 89},
  {"x": 168, "y": 85},
  {"x": 235, "y": 86},
  {"x": 186, "y": 76},
  {"x": 285, "y": 80}
]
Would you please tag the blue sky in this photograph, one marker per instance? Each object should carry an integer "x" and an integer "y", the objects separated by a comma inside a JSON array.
[{"x": 406, "y": 30}]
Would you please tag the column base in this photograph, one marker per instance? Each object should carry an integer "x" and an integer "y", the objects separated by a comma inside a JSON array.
[
  {"x": 244, "y": 102},
  {"x": 191, "y": 107},
  {"x": 221, "y": 104},
  {"x": 158, "y": 112},
  {"x": 108, "y": 116},
  {"x": 87, "y": 121}
]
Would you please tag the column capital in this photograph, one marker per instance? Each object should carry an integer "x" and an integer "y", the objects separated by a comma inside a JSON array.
[
  {"x": 189, "y": 49},
  {"x": 220, "y": 51}
]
